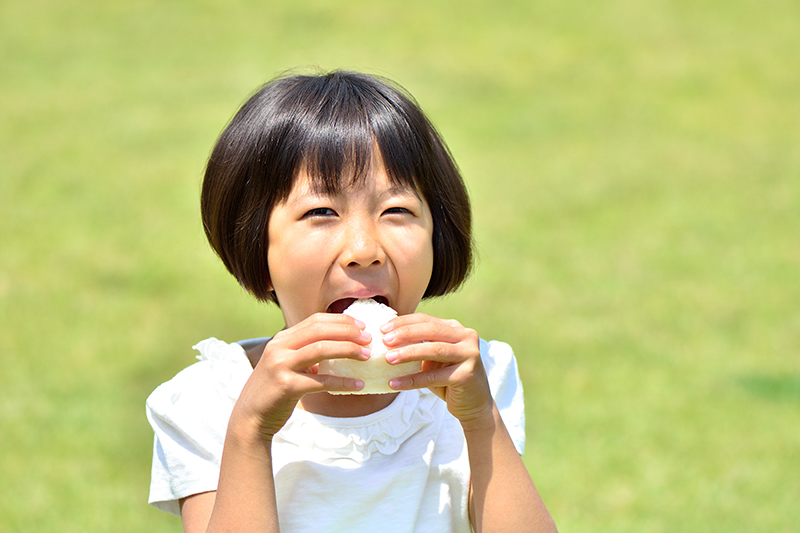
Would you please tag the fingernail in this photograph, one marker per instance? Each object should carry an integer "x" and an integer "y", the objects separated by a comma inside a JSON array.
[
  {"x": 366, "y": 335},
  {"x": 366, "y": 351},
  {"x": 386, "y": 327},
  {"x": 391, "y": 356},
  {"x": 389, "y": 337},
  {"x": 359, "y": 384},
  {"x": 359, "y": 323},
  {"x": 394, "y": 383}
]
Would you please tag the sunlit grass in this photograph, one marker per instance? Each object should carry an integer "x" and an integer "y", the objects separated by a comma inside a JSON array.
[{"x": 635, "y": 171}]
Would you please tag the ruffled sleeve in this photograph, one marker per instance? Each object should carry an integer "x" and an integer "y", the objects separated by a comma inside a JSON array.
[
  {"x": 506, "y": 387},
  {"x": 189, "y": 415}
]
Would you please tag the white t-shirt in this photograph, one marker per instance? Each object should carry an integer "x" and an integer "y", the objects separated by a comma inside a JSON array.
[{"x": 403, "y": 468}]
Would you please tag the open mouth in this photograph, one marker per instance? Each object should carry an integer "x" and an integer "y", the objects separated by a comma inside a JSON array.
[{"x": 340, "y": 305}]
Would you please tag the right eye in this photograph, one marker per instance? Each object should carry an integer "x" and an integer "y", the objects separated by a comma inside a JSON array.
[{"x": 320, "y": 212}]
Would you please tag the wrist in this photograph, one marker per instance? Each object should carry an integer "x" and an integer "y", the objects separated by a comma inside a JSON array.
[
  {"x": 247, "y": 431},
  {"x": 482, "y": 421}
]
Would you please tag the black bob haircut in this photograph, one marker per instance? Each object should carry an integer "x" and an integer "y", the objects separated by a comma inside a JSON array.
[{"x": 328, "y": 125}]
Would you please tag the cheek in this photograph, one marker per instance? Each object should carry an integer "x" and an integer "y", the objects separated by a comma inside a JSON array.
[
  {"x": 291, "y": 263},
  {"x": 427, "y": 260},
  {"x": 418, "y": 261}
]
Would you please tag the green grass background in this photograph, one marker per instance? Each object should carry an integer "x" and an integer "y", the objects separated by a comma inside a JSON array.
[{"x": 634, "y": 167}]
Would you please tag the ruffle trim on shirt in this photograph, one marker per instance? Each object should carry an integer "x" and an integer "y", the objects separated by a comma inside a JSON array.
[
  {"x": 229, "y": 363},
  {"x": 323, "y": 438},
  {"x": 327, "y": 439}
]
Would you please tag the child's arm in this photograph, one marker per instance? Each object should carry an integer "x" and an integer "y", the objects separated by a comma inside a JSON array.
[
  {"x": 245, "y": 497},
  {"x": 503, "y": 496}
]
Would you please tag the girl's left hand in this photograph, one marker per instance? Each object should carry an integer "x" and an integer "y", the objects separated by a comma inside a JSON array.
[{"x": 451, "y": 363}]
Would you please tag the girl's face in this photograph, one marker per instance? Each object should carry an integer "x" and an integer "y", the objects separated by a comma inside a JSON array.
[{"x": 372, "y": 240}]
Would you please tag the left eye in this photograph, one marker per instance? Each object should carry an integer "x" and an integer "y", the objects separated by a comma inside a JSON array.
[
  {"x": 397, "y": 211},
  {"x": 320, "y": 212}
]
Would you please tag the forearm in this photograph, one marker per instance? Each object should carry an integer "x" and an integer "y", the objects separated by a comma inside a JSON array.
[
  {"x": 504, "y": 497},
  {"x": 245, "y": 499}
]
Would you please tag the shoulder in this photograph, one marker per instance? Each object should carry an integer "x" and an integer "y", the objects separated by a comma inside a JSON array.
[
  {"x": 189, "y": 415},
  {"x": 497, "y": 353},
  {"x": 500, "y": 364},
  {"x": 506, "y": 386},
  {"x": 214, "y": 381}
]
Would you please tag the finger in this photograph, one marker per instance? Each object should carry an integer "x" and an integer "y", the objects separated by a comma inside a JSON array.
[
  {"x": 401, "y": 333},
  {"x": 440, "y": 352},
  {"x": 314, "y": 353},
  {"x": 321, "y": 327},
  {"x": 326, "y": 318},
  {"x": 440, "y": 377},
  {"x": 327, "y": 383},
  {"x": 428, "y": 332},
  {"x": 415, "y": 318}
]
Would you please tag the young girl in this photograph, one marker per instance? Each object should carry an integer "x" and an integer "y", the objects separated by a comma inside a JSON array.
[{"x": 323, "y": 190}]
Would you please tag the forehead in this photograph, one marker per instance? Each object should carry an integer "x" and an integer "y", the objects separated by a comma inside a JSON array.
[
  {"x": 317, "y": 176},
  {"x": 374, "y": 181}
]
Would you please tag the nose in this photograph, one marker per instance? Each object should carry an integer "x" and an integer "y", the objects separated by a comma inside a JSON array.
[{"x": 362, "y": 244}]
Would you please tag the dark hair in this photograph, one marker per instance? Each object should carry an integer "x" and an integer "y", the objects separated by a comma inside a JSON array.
[{"x": 328, "y": 125}]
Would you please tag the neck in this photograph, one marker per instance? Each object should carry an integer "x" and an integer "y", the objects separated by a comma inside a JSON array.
[{"x": 345, "y": 405}]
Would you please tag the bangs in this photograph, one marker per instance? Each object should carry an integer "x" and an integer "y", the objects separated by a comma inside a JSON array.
[
  {"x": 328, "y": 126},
  {"x": 340, "y": 126}
]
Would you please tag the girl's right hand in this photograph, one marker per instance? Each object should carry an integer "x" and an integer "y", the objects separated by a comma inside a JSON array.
[{"x": 287, "y": 371}]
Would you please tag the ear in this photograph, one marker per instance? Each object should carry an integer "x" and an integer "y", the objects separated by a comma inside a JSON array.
[
  {"x": 270, "y": 288},
  {"x": 272, "y": 294}
]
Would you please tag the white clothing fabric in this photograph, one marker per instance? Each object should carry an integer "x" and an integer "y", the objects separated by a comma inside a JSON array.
[{"x": 403, "y": 468}]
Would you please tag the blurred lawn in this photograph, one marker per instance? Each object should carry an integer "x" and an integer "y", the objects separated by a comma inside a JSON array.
[{"x": 634, "y": 168}]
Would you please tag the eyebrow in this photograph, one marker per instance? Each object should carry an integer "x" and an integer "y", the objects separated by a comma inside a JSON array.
[
  {"x": 310, "y": 193},
  {"x": 399, "y": 190},
  {"x": 306, "y": 195}
]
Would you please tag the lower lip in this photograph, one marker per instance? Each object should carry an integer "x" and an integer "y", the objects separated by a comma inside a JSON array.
[{"x": 340, "y": 307}]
